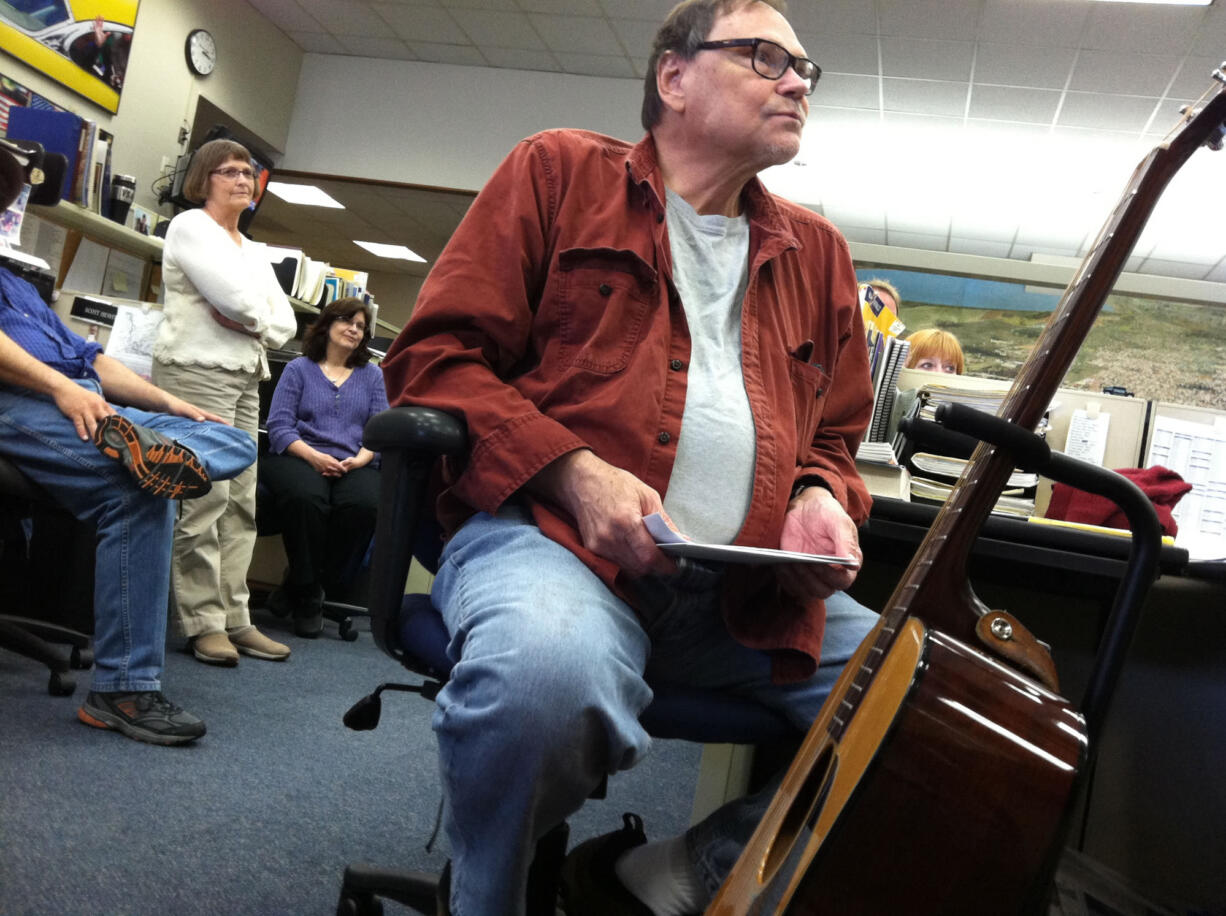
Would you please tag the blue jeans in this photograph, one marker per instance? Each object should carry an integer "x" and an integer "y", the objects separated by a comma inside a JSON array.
[
  {"x": 134, "y": 529},
  {"x": 546, "y": 692}
]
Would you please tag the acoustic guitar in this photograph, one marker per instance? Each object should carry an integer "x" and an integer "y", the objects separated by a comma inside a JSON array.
[{"x": 939, "y": 775}]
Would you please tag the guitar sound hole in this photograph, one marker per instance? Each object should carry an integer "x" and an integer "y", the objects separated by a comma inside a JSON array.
[{"x": 802, "y": 813}]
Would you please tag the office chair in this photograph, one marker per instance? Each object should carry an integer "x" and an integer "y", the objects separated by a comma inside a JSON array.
[
  {"x": 407, "y": 627},
  {"x": 30, "y": 584}
]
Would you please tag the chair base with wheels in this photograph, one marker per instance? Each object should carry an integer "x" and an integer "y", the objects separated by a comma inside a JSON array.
[
  {"x": 33, "y": 574},
  {"x": 407, "y": 627}
]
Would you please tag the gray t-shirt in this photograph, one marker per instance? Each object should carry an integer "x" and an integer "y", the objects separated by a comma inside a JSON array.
[{"x": 712, "y": 480}]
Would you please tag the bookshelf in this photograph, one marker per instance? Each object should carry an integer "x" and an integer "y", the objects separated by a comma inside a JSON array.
[{"x": 83, "y": 224}]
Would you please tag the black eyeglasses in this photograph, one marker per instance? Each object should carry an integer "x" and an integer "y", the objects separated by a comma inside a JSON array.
[{"x": 771, "y": 60}]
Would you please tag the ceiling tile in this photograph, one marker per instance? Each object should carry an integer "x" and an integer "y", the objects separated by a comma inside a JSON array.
[
  {"x": 1005, "y": 103},
  {"x": 480, "y": 4},
  {"x": 1026, "y": 252},
  {"x": 567, "y": 7},
  {"x": 498, "y": 29},
  {"x": 980, "y": 247},
  {"x": 923, "y": 59},
  {"x": 317, "y": 42},
  {"x": 929, "y": 18},
  {"x": 655, "y": 10},
  {"x": 1111, "y": 112},
  {"x": 288, "y": 16},
  {"x": 916, "y": 240},
  {"x": 519, "y": 59},
  {"x": 636, "y": 35},
  {"x": 345, "y": 17},
  {"x": 1157, "y": 28},
  {"x": 842, "y": 53},
  {"x": 842, "y": 90},
  {"x": 851, "y": 213},
  {"x": 595, "y": 64},
  {"x": 863, "y": 235},
  {"x": 1218, "y": 274},
  {"x": 840, "y": 17},
  {"x": 461, "y": 55},
  {"x": 368, "y": 46},
  {"x": 1175, "y": 269},
  {"x": 418, "y": 23},
  {"x": 1196, "y": 75},
  {"x": 576, "y": 34},
  {"x": 1211, "y": 35},
  {"x": 1144, "y": 74},
  {"x": 924, "y": 97},
  {"x": 1052, "y": 23},
  {"x": 1021, "y": 65}
]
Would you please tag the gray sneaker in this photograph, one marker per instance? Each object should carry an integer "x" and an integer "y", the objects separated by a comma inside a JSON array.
[{"x": 145, "y": 715}]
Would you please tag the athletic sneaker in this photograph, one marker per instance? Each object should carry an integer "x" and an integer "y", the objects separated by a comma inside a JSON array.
[
  {"x": 145, "y": 715},
  {"x": 161, "y": 466}
]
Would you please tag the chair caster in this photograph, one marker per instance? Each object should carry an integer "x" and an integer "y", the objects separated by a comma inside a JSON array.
[
  {"x": 359, "y": 904},
  {"x": 61, "y": 684},
  {"x": 81, "y": 659},
  {"x": 347, "y": 630}
]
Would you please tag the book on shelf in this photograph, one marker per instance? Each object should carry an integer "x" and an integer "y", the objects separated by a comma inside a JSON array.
[
  {"x": 1010, "y": 502},
  {"x": 892, "y": 358},
  {"x": 885, "y": 479},
  {"x": 287, "y": 265},
  {"x": 931, "y": 465}
]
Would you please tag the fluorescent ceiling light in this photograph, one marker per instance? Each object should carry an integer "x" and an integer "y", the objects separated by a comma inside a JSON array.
[
  {"x": 384, "y": 250},
  {"x": 303, "y": 194},
  {"x": 1167, "y": 2}
]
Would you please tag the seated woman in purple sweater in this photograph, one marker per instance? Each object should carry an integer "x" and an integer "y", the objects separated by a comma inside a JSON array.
[{"x": 325, "y": 485}]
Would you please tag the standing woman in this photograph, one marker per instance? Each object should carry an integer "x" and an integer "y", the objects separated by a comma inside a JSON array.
[
  {"x": 323, "y": 481},
  {"x": 223, "y": 308}
]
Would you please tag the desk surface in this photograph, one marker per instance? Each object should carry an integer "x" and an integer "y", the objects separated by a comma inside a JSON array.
[{"x": 896, "y": 524}]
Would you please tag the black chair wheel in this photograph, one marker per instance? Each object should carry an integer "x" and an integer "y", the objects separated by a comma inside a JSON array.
[
  {"x": 347, "y": 631},
  {"x": 81, "y": 659},
  {"x": 359, "y": 905},
  {"x": 61, "y": 684}
]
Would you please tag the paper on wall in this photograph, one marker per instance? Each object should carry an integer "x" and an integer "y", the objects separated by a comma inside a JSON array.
[{"x": 132, "y": 337}]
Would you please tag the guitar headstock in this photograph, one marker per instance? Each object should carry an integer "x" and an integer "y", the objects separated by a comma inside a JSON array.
[{"x": 1215, "y": 133}]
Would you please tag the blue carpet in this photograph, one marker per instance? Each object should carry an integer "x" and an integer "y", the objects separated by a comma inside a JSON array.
[{"x": 262, "y": 814}]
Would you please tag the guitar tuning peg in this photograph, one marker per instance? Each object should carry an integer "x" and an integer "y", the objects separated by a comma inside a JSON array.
[{"x": 1220, "y": 73}]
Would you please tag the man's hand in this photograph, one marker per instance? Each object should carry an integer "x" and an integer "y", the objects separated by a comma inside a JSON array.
[
  {"x": 609, "y": 505},
  {"x": 816, "y": 523},
  {"x": 83, "y": 407}
]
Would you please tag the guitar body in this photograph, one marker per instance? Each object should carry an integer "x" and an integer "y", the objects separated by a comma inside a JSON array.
[{"x": 955, "y": 773}]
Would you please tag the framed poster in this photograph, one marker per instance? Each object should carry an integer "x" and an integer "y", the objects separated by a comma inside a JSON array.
[{"x": 83, "y": 44}]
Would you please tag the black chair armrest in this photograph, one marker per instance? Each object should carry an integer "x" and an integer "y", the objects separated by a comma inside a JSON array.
[{"x": 409, "y": 441}]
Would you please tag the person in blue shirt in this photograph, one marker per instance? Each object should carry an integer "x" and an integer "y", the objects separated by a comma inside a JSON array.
[
  {"x": 120, "y": 468},
  {"x": 325, "y": 485}
]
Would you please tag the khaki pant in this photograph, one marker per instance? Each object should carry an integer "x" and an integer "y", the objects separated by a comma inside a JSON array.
[{"x": 215, "y": 533}]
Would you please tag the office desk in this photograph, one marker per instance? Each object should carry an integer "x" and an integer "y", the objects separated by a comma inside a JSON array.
[{"x": 1068, "y": 562}]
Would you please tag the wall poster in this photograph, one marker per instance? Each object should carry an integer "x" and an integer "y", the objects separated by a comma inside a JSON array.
[{"x": 83, "y": 44}]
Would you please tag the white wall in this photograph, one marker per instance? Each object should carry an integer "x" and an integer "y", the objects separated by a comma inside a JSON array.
[
  {"x": 255, "y": 82},
  {"x": 436, "y": 124}
]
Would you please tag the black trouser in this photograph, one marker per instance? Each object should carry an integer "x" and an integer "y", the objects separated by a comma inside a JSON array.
[{"x": 326, "y": 522}]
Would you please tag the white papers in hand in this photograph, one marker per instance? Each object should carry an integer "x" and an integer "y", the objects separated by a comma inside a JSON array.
[{"x": 676, "y": 544}]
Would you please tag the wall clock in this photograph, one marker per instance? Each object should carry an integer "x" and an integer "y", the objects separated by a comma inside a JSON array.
[{"x": 201, "y": 52}]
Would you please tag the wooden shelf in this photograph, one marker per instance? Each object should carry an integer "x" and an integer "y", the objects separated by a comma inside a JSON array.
[{"x": 98, "y": 228}]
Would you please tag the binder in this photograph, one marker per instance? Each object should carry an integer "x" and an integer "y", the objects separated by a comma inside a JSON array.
[{"x": 58, "y": 132}]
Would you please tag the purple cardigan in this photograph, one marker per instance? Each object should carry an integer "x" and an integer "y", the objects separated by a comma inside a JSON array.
[{"x": 307, "y": 406}]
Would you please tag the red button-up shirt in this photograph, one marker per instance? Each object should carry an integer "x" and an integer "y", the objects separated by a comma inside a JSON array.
[{"x": 551, "y": 323}]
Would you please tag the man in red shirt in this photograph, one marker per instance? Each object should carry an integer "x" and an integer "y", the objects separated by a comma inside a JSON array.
[{"x": 629, "y": 330}]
